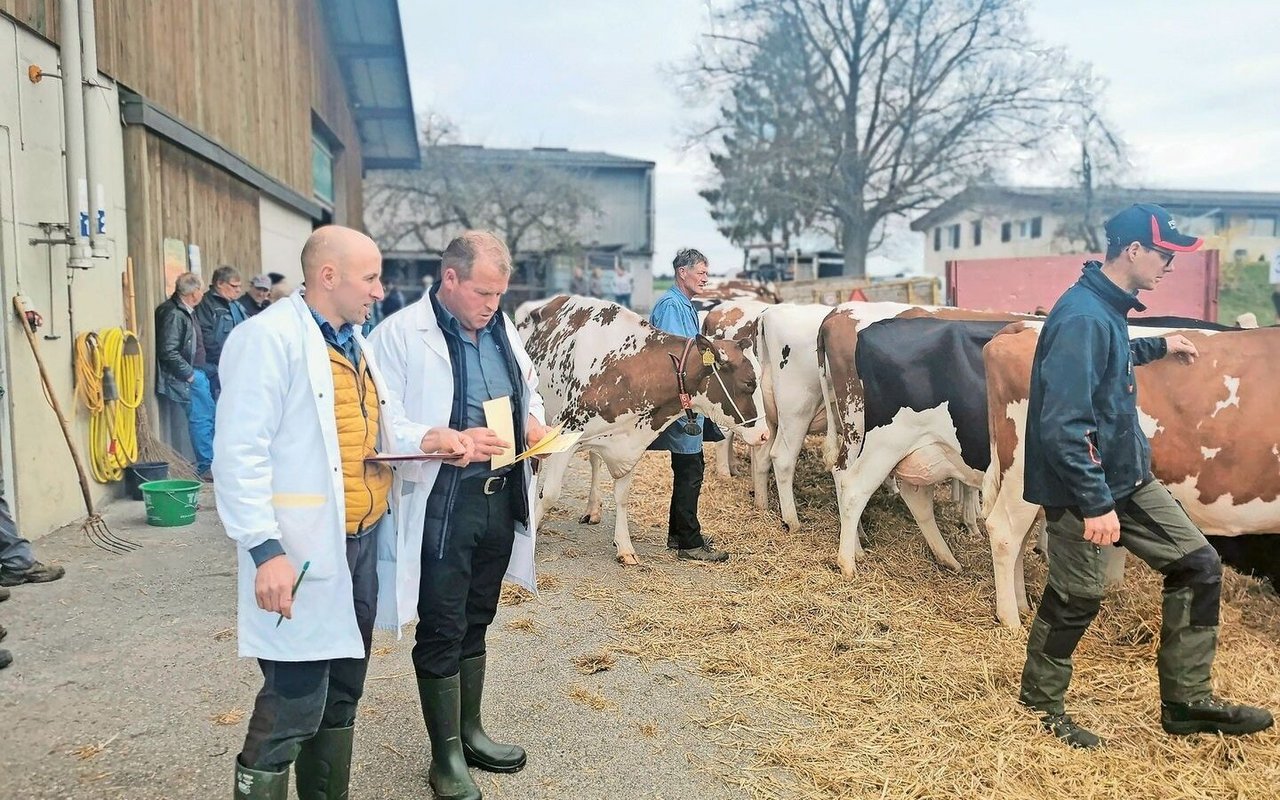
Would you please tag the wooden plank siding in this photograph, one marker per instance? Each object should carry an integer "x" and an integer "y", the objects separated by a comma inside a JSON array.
[{"x": 245, "y": 73}]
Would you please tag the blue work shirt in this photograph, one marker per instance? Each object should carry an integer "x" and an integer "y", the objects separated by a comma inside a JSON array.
[
  {"x": 674, "y": 313},
  {"x": 344, "y": 338},
  {"x": 487, "y": 376}
]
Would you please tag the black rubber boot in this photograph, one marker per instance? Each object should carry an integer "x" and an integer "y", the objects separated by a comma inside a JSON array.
[
  {"x": 441, "y": 710},
  {"x": 1213, "y": 715},
  {"x": 254, "y": 785},
  {"x": 322, "y": 770},
  {"x": 481, "y": 751}
]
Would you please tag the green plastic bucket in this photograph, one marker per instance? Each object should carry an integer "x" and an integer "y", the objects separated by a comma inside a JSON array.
[{"x": 170, "y": 503}]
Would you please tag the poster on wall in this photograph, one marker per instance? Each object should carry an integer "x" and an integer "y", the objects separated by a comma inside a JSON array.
[{"x": 175, "y": 263}]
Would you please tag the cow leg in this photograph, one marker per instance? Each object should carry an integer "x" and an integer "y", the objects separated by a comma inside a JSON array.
[
  {"x": 592, "y": 515},
  {"x": 784, "y": 455},
  {"x": 552, "y": 479},
  {"x": 854, "y": 488},
  {"x": 725, "y": 466},
  {"x": 970, "y": 506},
  {"x": 1008, "y": 524},
  {"x": 761, "y": 459},
  {"x": 621, "y": 534},
  {"x": 919, "y": 500}
]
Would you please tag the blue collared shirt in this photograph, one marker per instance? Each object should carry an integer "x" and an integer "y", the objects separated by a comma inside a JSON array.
[
  {"x": 674, "y": 313},
  {"x": 487, "y": 375},
  {"x": 344, "y": 338}
]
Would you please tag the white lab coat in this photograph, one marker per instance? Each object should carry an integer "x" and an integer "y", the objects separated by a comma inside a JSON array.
[
  {"x": 410, "y": 348},
  {"x": 278, "y": 475}
]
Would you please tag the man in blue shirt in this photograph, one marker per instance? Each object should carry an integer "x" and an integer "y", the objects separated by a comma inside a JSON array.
[{"x": 674, "y": 313}]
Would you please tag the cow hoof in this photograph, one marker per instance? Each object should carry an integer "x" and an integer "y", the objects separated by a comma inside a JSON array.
[
  {"x": 628, "y": 560},
  {"x": 589, "y": 519},
  {"x": 951, "y": 566},
  {"x": 848, "y": 567}
]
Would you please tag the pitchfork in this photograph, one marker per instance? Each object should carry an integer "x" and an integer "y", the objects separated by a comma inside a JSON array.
[{"x": 95, "y": 527}]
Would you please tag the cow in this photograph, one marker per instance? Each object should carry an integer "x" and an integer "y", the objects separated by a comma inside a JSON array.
[
  {"x": 608, "y": 374},
  {"x": 905, "y": 397},
  {"x": 1214, "y": 429},
  {"x": 720, "y": 291},
  {"x": 735, "y": 319}
]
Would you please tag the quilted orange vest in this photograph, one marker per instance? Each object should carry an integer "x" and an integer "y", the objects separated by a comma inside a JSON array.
[{"x": 356, "y": 409}]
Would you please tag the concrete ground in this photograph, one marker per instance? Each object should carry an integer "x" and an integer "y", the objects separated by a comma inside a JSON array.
[{"x": 126, "y": 684}]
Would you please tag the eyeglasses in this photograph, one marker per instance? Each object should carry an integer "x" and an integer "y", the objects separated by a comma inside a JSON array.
[{"x": 1168, "y": 257}]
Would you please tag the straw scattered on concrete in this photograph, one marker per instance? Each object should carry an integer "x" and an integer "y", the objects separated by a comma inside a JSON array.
[{"x": 899, "y": 683}]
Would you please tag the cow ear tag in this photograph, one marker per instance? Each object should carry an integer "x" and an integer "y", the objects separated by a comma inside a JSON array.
[{"x": 708, "y": 358}]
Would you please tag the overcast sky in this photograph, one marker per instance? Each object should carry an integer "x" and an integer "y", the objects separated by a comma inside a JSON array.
[{"x": 1194, "y": 88}]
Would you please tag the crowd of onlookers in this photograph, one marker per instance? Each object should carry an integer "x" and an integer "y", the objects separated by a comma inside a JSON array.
[{"x": 614, "y": 284}]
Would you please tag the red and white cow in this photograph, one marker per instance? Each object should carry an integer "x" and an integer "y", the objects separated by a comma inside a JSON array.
[
  {"x": 604, "y": 371},
  {"x": 735, "y": 320},
  {"x": 1214, "y": 428}
]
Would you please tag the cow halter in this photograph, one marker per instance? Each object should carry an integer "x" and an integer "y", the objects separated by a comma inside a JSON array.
[{"x": 686, "y": 400}]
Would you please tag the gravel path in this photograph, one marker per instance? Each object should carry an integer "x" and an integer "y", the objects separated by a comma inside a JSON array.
[{"x": 125, "y": 682}]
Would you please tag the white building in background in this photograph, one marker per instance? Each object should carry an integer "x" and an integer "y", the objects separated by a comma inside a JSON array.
[
  {"x": 1011, "y": 222},
  {"x": 621, "y": 233}
]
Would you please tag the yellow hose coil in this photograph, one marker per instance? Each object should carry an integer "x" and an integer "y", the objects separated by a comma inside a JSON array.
[{"x": 113, "y": 426}]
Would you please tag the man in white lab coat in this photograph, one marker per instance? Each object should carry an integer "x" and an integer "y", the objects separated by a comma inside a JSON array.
[
  {"x": 303, "y": 407},
  {"x": 446, "y": 355}
]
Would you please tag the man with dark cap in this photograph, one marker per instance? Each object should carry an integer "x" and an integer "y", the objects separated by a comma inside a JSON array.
[
  {"x": 258, "y": 297},
  {"x": 1089, "y": 465}
]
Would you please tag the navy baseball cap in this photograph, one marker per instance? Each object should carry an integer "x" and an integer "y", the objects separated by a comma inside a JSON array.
[{"x": 1150, "y": 226}]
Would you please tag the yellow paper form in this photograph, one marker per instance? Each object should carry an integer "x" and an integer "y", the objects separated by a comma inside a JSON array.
[
  {"x": 555, "y": 441},
  {"x": 497, "y": 417}
]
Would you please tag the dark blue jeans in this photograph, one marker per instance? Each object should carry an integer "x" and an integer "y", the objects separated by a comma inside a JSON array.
[
  {"x": 200, "y": 414},
  {"x": 15, "y": 552},
  {"x": 299, "y": 698}
]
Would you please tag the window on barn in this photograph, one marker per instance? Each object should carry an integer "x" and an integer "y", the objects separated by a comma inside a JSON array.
[
  {"x": 1036, "y": 225},
  {"x": 937, "y": 238},
  {"x": 1006, "y": 231},
  {"x": 977, "y": 232},
  {"x": 953, "y": 236}
]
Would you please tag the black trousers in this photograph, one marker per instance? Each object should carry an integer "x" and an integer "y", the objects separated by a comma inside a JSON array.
[
  {"x": 299, "y": 698},
  {"x": 686, "y": 486},
  {"x": 458, "y": 597}
]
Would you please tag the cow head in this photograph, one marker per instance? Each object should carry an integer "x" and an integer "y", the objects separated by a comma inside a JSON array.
[{"x": 728, "y": 388}]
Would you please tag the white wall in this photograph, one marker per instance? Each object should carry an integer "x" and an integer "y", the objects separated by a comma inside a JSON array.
[
  {"x": 40, "y": 477},
  {"x": 284, "y": 231}
]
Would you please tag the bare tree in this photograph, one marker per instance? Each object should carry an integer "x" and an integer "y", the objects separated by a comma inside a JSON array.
[
  {"x": 1102, "y": 165},
  {"x": 534, "y": 206},
  {"x": 890, "y": 105}
]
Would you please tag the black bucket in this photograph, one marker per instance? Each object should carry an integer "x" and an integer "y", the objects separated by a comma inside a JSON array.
[{"x": 140, "y": 473}]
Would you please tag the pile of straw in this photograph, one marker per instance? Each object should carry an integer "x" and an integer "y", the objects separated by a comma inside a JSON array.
[{"x": 899, "y": 683}]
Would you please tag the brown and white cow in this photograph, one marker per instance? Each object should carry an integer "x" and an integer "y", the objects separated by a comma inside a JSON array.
[
  {"x": 735, "y": 320},
  {"x": 604, "y": 371},
  {"x": 932, "y": 424},
  {"x": 1214, "y": 428},
  {"x": 720, "y": 290}
]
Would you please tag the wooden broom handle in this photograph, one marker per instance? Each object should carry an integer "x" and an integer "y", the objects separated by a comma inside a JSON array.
[{"x": 21, "y": 307}]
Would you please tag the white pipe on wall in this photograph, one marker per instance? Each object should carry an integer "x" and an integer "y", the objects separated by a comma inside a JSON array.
[
  {"x": 73, "y": 135},
  {"x": 96, "y": 117}
]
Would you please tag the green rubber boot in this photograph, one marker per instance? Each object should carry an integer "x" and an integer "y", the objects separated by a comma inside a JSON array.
[
  {"x": 322, "y": 770},
  {"x": 481, "y": 751},
  {"x": 252, "y": 784},
  {"x": 448, "y": 775}
]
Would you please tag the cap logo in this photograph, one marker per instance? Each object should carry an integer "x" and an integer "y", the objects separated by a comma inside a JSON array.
[{"x": 1172, "y": 225}]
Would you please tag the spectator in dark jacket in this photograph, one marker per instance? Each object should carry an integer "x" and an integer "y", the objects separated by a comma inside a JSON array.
[
  {"x": 258, "y": 297},
  {"x": 181, "y": 382},
  {"x": 392, "y": 300},
  {"x": 216, "y": 315}
]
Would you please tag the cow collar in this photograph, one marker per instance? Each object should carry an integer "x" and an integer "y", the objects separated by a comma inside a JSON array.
[{"x": 686, "y": 399}]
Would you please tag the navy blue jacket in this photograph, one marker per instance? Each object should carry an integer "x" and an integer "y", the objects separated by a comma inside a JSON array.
[{"x": 1084, "y": 446}]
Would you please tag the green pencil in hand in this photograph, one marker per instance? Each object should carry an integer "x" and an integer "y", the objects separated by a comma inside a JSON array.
[{"x": 296, "y": 584}]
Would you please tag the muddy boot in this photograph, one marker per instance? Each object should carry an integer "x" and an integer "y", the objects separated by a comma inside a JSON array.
[
  {"x": 254, "y": 785},
  {"x": 6, "y": 658},
  {"x": 1069, "y": 733},
  {"x": 441, "y": 710},
  {"x": 322, "y": 770},
  {"x": 481, "y": 751},
  {"x": 1213, "y": 715},
  {"x": 36, "y": 573}
]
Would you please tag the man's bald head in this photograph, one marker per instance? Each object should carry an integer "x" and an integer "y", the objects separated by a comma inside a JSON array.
[
  {"x": 341, "y": 269},
  {"x": 335, "y": 245}
]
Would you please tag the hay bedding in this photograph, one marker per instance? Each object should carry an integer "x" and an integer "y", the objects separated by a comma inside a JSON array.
[{"x": 899, "y": 683}]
